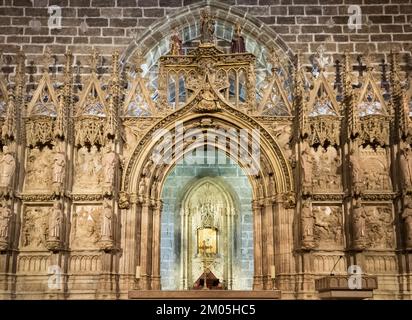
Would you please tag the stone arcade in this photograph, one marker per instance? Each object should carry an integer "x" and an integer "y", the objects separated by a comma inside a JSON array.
[{"x": 84, "y": 200}]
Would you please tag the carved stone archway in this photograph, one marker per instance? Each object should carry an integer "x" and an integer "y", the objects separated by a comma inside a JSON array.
[{"x": 272, "y": 186}]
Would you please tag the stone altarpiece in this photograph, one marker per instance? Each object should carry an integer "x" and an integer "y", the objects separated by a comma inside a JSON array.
[{"x": 80, "y": 191}]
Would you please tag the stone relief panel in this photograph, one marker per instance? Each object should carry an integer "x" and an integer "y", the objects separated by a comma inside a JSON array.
[
  {"x": 35, "y": 227},
  {"x": 375, "y": 169},
  {"x": 328, "y": 225},
  {"x": 88, "y": 170},
  {"x": 85, "y": 232},
  {"x": 326, "y": 170},
  {"x": 39, "y": 170},
  {"x": 379, "y": 227}
]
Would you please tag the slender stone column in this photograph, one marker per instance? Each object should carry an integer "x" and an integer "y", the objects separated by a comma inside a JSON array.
[
  {"x": 270, "y": 249},
  {"x": 144, "y": 229},
  {"x": 157, "y": 211},
  {"x": 129, "y": 240},
  {"x": 283, "y": 243},
  {"x": 257, "y": 240}
]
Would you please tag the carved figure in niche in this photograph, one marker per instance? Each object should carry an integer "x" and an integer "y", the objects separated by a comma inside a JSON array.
[
  {"x": 153, "y": 189},
  {"x": 35, "y": 227},
  {"x": 55, "y": 222},
  {"x": 271, "y": 185},
  {"x": 86, "y": 231},
  {"x": 306, "y": 163},
  {"x": 106, "y": 233},
  {"x": 39, "y": 171},
  {"x": 5, "y": 217},
  {"x": 109, "y": 161},
  {"x": 406, "y": 168},
  {"x": 308, "y": 223},
  {"x": 7, "y": 167},
  {"x": 147, "y": 170},
  {"x": 143, "y": 185},
  {"x": 356, "y": 170},
  {"x": 359, "y": 223},
  {"x": 207, "y": 27},
  {"x": 59, "y": 163},
  {"x": 238, "y": 43},
  {"x": 176, "y": 47},
  {"x": 407, "y": 220}
]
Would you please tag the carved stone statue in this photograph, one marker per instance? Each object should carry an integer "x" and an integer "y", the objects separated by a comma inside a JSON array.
[
  {"x": 406, "y": 168},
  {"x": 109, "y": 161},
  {"x": 106, "y": 233},
  {"x": 55, "y": 222},
  {"x": 176, "y": 44},
  {"x": 7, "y": 167},
  {"x": 308, "y": 223},
  {"x": 5, "y": 216},
  {"x": 359, "y": 225},
  {"x": 207, "y": 26},
  {"x": 356, "y": 171},
  {"x": 306, "y": 163},
  {"x": 238, "y": 43},
  {"x": 59, "y": 163},
  {"x": 407, "y": 220}
]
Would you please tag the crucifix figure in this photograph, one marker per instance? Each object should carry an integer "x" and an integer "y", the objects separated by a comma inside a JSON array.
[{"x": 204, "y": 248}]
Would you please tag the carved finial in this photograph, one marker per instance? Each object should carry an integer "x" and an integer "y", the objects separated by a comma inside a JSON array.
[
  {"x": 69, "y": 62},
  {"x": 115, "y": 68},
  {"x": 20, "y": 68},
  {"x": 367, "y": 58},
  {"x": 47, "y": 60}
]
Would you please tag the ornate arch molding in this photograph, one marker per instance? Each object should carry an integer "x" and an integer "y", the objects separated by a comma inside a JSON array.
[
  {"x": 269, "y": 148},
  {"x": 224, "y": 187},
  {"x": 153, "y": 39}
]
